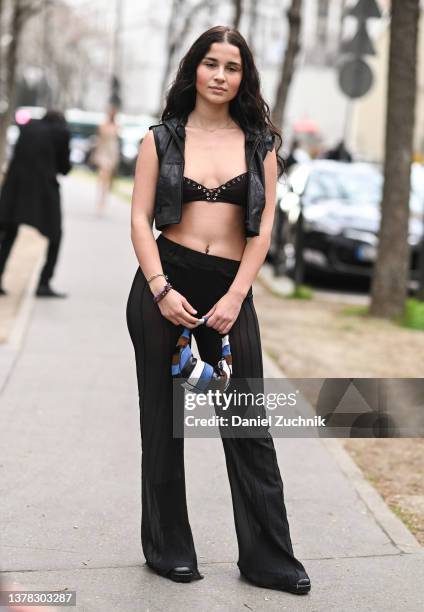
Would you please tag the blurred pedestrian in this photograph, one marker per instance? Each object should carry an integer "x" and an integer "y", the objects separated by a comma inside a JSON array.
[
  {"x": 215, "y": 130},
  {"x": 106, "y": 157},
  {"x": 297, "y": 155},
  {"x": 339, "y": 153},
  {"x": 31, "y": 193}
]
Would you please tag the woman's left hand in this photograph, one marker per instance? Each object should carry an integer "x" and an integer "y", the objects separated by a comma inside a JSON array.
[{"x": 223, "y": 314}]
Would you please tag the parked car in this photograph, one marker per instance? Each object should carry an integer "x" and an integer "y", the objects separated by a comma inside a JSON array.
[{"x": 340, "y": 205}]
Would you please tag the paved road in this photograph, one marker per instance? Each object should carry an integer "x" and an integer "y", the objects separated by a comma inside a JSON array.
[{"x": 70, "y": 467}]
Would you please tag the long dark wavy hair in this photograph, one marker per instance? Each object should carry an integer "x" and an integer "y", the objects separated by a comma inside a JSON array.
[{"x": 248, "y": 109}]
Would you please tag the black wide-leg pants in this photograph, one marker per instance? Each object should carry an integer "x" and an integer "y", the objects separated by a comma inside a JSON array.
[{"x": 265, "y": 548}]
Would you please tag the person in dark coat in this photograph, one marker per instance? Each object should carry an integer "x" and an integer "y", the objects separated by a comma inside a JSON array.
[
  {"x": 31, "y": 193},
  {"x": 339, "y": 153}
]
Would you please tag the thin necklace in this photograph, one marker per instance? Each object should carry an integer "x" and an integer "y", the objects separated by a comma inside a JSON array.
[{"x": 214, "y": 130}]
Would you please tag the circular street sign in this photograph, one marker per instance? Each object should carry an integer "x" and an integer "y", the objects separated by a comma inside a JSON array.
[{"x": 355, "y": 78}]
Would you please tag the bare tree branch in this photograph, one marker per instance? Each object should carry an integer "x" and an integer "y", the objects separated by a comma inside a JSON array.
[
  {"x": 1, "y": 31},
  {"x": 189, "y": 20},
  {"x": 294, "y": 16},
  {"x": 17, "y": 21},
  {"x": 177, "y": 36},
  {"x": 172, "y": 44},
  {"x": 253, "y": 23},
  {"x": 22, "y": 11},
  {"x": 237, "y": 13}
]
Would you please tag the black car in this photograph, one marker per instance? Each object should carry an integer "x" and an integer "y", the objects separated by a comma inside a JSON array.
[{"x": 340, "y": 205}]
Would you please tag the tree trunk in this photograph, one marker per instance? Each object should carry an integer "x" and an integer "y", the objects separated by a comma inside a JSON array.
[
  {"x": 237, "y": 13},
  {"x": 391, "y": 271},
  {"x": 1, "y": 35},
  {"x": 253, "y": 25},
  {"x": 10, "y": 75},
  {"x": 294, "y": 15},
  {"x": 170, "y": 52}
]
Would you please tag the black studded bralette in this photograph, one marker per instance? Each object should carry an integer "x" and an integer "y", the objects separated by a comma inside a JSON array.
[{"x": 233, "y": 191}]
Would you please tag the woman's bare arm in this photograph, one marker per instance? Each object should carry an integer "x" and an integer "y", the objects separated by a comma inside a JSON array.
[
  {"x": 173, "y": 306},
  {"x": 142, "y": 212}
]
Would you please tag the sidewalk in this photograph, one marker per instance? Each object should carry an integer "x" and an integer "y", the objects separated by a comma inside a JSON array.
[{"x": 70, "y": 492}]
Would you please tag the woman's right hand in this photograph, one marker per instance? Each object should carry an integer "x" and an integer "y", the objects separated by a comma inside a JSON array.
[{"x": 178, "y": 310}]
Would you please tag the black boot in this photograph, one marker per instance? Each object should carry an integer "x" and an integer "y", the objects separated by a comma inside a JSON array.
[
  {"x": 44, "y": 290},
  {"x": 300, "y": 587},
  {"x": 183, "y": 574},
  {"x": 178, "y": 574}
]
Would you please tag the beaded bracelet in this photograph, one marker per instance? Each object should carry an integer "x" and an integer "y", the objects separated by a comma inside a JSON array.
[
  {"x": 156, "y": 276},
  {"x": 161, "y": 294}
]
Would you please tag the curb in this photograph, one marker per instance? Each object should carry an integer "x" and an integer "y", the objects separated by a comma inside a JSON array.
[
  {"x": 392, "y": 526},
  {"x": 282, "y": 286}
]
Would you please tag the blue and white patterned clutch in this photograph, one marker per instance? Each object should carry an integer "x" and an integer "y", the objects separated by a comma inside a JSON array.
[{"x": 199, "y": 376}]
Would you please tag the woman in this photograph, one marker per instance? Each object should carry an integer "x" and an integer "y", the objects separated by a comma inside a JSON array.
[
  {"x": 207, "y": 175},
  {"x": 106, "y": 157}
]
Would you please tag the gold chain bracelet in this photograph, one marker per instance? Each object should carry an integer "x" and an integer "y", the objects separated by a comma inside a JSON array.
[{"x": 156, "y": 276}]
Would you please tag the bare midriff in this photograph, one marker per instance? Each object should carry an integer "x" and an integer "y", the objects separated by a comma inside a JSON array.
[{"x": 215, "y": 229}]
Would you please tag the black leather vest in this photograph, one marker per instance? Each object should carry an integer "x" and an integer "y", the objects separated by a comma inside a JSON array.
[{"x": 170, "y": 139}]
